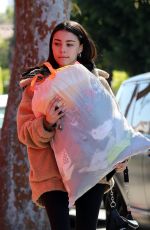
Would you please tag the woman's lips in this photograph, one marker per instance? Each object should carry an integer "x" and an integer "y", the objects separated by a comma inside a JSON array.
[{"x": 63, "y": 57}]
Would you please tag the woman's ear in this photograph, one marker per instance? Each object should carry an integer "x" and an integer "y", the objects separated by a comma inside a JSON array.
[{"x": 80, "y": 49}]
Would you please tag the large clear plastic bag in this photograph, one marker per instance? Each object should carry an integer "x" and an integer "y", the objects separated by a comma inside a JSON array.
[{"x": 95, "y": 135}]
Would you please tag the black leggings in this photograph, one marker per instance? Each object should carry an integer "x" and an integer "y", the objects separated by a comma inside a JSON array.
[{"x": 87, "y": 209}]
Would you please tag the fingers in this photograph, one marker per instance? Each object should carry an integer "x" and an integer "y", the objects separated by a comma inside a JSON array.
[
  {"x": 54, "y": 103},
  {"x": 56, "y": 109},
  {"x": 120, "y": 167},
  {"x": 60, "y": 112}
]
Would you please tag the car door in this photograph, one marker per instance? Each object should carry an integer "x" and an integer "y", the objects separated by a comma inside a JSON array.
[
  {"x": 127, "y": 99},
  {"x": 140, "y": 165}
]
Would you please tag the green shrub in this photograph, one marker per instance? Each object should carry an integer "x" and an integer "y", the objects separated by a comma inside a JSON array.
[
  {"x": 118, "y": 78},
  {"x": 1, "y": 82},
  {"x": 4, "y": 80}
]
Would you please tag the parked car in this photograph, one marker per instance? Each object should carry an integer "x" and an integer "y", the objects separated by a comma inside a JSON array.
[
  {"x": 134, "y": 101},
  {"x": 3, "y": 103}
]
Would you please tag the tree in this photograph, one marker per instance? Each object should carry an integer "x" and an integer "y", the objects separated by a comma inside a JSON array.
[
  {"x": 34, "y": 21},
  {"x": 121, "y": 32}
]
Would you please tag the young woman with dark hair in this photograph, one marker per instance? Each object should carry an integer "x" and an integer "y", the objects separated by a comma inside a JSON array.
[{"x": 69, "y": 43}]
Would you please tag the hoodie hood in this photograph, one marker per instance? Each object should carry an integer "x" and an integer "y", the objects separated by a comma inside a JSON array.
[{"x": 101, "y": 73}]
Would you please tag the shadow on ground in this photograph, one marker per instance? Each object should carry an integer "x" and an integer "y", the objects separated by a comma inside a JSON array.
[{"x": 101, "y": 223}]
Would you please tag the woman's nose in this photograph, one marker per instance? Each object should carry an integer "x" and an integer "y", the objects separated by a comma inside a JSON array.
[{"x": 62, "y": 49}]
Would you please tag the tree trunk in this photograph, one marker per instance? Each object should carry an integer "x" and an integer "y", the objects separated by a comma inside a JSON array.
[{"x": 34, "y": 22}]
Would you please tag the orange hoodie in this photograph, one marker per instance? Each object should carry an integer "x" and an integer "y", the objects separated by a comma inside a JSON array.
[{"x": 44, "y": 174}]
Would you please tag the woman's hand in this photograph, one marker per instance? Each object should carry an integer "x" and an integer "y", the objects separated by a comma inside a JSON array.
[
  {"x": 55, "y": 111},
  {"x": 120, "y": 167}
]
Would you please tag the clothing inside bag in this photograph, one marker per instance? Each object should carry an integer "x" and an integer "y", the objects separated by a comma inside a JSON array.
[{"x": 95, "y": 135}]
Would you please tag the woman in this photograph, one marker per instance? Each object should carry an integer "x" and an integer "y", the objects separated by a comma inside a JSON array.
[{"x": 69, "y": 43}]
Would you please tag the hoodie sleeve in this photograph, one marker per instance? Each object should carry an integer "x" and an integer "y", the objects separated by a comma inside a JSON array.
[{"x": 30, "y": 129}]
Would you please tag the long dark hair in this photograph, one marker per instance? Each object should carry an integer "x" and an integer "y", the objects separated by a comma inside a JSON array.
[
  {"x": 89, "y": 52},
  {"x": 86, "y": 58}
]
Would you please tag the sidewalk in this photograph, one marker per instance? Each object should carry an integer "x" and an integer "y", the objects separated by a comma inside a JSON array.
[{"x": 101, "y": 218}]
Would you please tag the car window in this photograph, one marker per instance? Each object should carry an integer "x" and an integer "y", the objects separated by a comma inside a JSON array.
[
  {"x": 141, "y": 115},
  {"x": 126, "y": 98}
]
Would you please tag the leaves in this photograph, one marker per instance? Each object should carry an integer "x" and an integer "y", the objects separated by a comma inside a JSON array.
[{"x": 120, "y": 31}]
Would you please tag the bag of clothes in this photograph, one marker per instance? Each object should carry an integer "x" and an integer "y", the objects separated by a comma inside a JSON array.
[{"x": 95, "y": 135}]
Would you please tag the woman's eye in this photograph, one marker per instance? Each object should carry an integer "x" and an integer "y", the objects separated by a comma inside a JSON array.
[
  {"x": 57, "y": 44},
  {"x": 69, "y": 45}
]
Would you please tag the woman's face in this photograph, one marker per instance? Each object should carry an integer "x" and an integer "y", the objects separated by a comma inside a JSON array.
[{"x": 66, "y": 47}]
